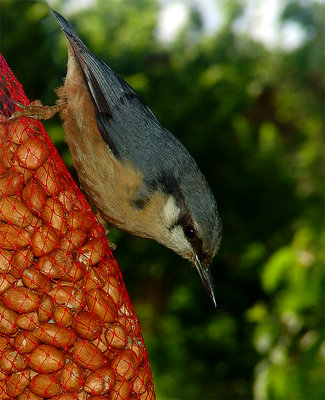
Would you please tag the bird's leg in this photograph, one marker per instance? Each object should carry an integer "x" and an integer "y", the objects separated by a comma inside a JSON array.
[
  {"x": 37, "y": 110},
  {"x": 112, "y": 246}
]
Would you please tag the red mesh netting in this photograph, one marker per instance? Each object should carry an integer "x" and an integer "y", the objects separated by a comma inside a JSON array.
[{"x": 67, "y": 326}]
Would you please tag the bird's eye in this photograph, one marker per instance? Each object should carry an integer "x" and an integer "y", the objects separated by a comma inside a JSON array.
[{"x": 189, "y": 232}]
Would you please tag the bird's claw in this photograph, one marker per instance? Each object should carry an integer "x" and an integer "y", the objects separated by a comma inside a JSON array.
[
  {"x": 35, "y": 110},
  {"x": 104, "y": 224}
]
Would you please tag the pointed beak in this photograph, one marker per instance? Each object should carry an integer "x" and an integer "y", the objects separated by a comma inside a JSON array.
[{"x": 205, "y": 275}]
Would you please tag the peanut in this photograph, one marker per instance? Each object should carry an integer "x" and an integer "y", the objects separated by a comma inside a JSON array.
[
  {"x": 3, "y": 166},
  {"x": 137, "y": 347},
  {"x": 20, "y": 299},
  {"x": 44, "y": 385},
  {"x": 3, "y": 393},
  {"x": 6, "y": 281},
  {"x": 48, "y": 178},
  {"x": 100, "y": 381},
  {"x": 3, "y": 344},
  {"x": 8, "y": 153},
  {"x": 125, "y": 364},
  {"x": 116, "y": 336},
  {"x": 24, "y": 172},
  {"x": 102, "y": 305},
  {"x": 28, "y": 395},
  {"x": 25, "y": 341},
  {"x": 34, "y": 225},
  {"x": 120, "y": 391},
  {"x": 67, "y": 199},
  {"x": 76, "y": 273},
  {"x": 11, "y": 183},
  {"x": 108, "y": 267},
  {"x": 114, "y": 290},
  {"x": 21, "y": 259},
  {"x": 55, "y": 335},
  {"x": 45, "y": 309},
  {"x": 54, "y": 215},
  {"x": 82, "y": 395},
  {"x": 63, "y": 316},
  {"x": 44, "y": 240},
  {"x": 87, "y": 326},
  {"x": 125, "y": 310},
  {"x": 149, "y": 394},
  {"x": 87, "y": 355},
  {"x": 56, "y": 264},
  {"x": 101, "y": 345},
  {"x": 34, "y": 196},
  {"x": 17, "y": 383},
  {"x": 13, "y": 237},
  {"x": 78, "y": 219},
  {"x": 13, "y": 210},
  {"x": 28, "y": 321},
  {"x": 8, "y": 321},
  {"x": 12, "y": 361},
  {"x": 5, "y": 261},
  {"x": 32, "y": 153},
  {"x": 73, "y": 239},
  {"x": 91, "y": 252},
  {"x": 16, "y": 132},
  {"x": 141, "y": 381},
  {"x": 64, "y": 396},
  {"x": 99, "y": 397},
  {"x": 46, "y": 358},
  {"x": 71, "y": 376},
  {"x": 36, "y": 280},
  {"x": 94, "y": 280},
  {"x": 68, "y": 296}
]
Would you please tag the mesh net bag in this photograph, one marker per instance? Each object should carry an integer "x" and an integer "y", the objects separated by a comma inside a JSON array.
[{"x": 67, "y": 327}]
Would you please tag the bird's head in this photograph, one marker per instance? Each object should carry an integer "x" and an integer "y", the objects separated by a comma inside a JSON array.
[{"x": 192, "y": 227}]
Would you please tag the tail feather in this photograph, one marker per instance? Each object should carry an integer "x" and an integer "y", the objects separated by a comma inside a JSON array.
[
  {"x": 104, "y": 85},
  {"x": 68, "y": 30}
]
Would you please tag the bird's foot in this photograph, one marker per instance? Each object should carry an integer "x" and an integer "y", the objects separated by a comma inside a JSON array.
[
  {"x": 36, "y": 110},
  {"x": 112, "y": 246}
]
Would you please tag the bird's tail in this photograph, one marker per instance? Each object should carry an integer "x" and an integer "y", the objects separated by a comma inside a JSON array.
[
  {"x": 106, "y": 87},
  {"x": 103, "y": 83},
  {"x": 69, "y": 32}
]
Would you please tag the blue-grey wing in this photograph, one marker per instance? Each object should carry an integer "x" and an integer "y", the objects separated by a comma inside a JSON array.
[
  {"x": 126, "y": 124},
  {"x": 113, "y": 98}
]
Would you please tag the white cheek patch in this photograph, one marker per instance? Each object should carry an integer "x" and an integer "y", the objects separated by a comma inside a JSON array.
[
  {"x": 170, "y": 212},
  {"x": 175, "y": 238},
  {"x": 178, "y": 241}
]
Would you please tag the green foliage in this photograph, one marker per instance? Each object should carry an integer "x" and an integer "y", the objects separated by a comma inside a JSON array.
[{"x": 253, "y": 120}]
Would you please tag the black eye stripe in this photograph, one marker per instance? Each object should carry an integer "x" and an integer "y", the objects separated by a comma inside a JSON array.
[{"x": 191, "y": 234}]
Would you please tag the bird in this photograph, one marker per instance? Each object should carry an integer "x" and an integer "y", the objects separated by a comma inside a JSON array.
[{"x": 137, "y": 174}]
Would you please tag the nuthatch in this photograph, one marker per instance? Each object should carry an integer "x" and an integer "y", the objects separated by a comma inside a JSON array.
[{"x": 137, "y": 174}]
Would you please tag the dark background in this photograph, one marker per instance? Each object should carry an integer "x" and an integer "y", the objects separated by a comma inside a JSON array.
[{"x": 253, "y": 119}]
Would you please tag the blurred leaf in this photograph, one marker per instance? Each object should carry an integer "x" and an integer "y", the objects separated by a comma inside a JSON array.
[{"x": 276, "y": 267}]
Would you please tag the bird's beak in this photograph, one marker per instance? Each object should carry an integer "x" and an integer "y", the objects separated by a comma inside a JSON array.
[{"x": 205, "y": 275}]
